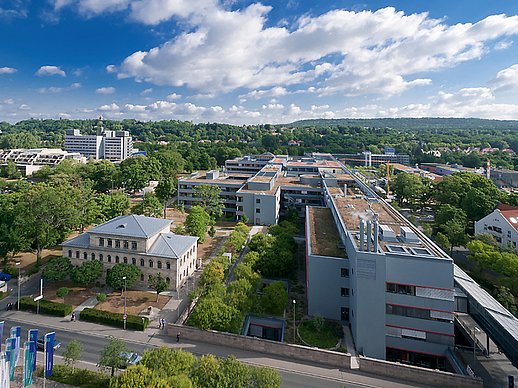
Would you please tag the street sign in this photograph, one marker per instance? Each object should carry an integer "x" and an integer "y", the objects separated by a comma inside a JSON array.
[
  {"x": 125, "y": 316},
  {"x": 40, "y": 297}
]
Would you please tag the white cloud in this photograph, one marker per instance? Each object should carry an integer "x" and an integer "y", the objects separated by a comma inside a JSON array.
[
  {"x": 24, "y": 107},
  {"x": 113, "y": 107},
  {"x": 105, "y": 90},
  {"x": 8, "y": 101},
  {"x": 93, "y": 7},
  {"x": 506, "y": 79},
  {"x": 7, "y": 70},
  {"x": 111, "y": 69},
  {"x": 146, "y": 91},
  {"x": 50, "y": 70},
  {"x": 174, "y": 96},
  {"x": 276, "y": 91},
  {"x": 57, "y": 89},
  {"x": 382, "y": 52}
]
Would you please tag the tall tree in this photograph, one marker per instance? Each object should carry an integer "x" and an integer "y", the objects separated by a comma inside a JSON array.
[
  {"x": 135, "y": 173},
  {"x": 166, "y": 189},
  {"x": 112, "y": 355},
  {"x": 115, "y": 276},
  {"x": 158, "y": 284},
  {"x": 87, "y": 273},
  {"x": 210, "y": 199},
  {"x": 197, "y": 222},
  {"x": 72, "y": 353},
  {"x": 150, "y": 206}
]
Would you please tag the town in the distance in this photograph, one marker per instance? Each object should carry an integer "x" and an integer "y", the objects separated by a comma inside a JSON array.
[{"x": 317, "y": 253}]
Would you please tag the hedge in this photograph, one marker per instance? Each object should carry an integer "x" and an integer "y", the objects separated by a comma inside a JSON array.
[
  {"x": 114, "y": 319},
  {"x": 78, "y": 377},
  {"x": 46, "y": 307}
]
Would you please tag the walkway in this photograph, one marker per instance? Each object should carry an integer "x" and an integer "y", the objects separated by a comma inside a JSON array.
[{"x": 349, "y": 345}]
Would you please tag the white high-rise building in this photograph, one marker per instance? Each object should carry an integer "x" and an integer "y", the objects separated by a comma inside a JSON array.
[{"x": 111, "y": 145}]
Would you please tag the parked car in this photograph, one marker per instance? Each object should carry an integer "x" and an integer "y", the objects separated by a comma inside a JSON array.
[
  {"x": 5, "y": 276},
  {"x": 41, "y": 344},
  {"x": 131, "y": 358}
]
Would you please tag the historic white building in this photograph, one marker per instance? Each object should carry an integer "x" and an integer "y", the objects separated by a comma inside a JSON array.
[{"x": 145, "y": 242}]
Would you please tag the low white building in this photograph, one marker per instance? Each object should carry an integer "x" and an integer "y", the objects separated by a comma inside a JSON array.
[
  {"x": 28, "y": 161},
  {"x": 502, "y": 224},
  {"x": 145, "y": 242}
]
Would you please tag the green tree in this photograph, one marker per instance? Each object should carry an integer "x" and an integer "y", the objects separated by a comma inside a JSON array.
[
  {"x": 115, "y": 275},
  {"x": 447, "y": 213},
  {"x": 136, "y": 376},
  {"x": 134, "y": 173},
  {"x": 88, "y": 272},
  {"x": 506, "y": 298},
  {"x": 158, "y": 284},
  {"x": 171, "y": 163},
  {"x": 210, "y": 199},
  {"x": 212, "y": 313},
  {"x": 112, "y": 355},
  {"x": 11, "y": 171},
  {"x": 197, "y": 222},
  {"x": 456, "y": 233},
  {"x": 101, "y": 297},
  {"x": 274, "y": 299},
  {"x": 62, "y": 292},
  {"x": 166, "y": 189},
  {"x": 168, "y": 362},
  {"x": 150, "y": 206},
  {"x": 57, "y": 269},
  {"x": 442, "y": 240},
  {"x": 113, "y": 205},
  {"x": 408, "y": 188},
  {"x": 72, "y": 353}
]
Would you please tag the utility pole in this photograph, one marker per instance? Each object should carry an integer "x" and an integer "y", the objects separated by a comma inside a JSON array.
[
  {"x": 18, "y": 264},
  {"x": 294, "y": 321},
  {"x": 125, "y": 316}
]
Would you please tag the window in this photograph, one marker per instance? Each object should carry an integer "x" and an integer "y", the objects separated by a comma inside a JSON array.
[
  {"x": 110, "y": 242},
  {"x": 344, "y": 313},
  {"x": 93, "y": 256},
  {"x": 125, "y": 260},
  {"x": 258, "y": 210},
  {"x": 126, "y": 244},
  {"x": 168, "y": 265},
  {"x": 168, "y": 280},
  {"x": 149, "y": 278},
  {"x": 344, "y": 272},
  {"x": 258, "y": 200},
  {"x": 70, "y": 253},
  {"x": 109, "y": 259},
  {"x": 116, "y": 259},
  {"x": 77, "y": 254},
  {"x": 133, "y": 261},
  {"x": 159, "y": 264},
  {"x": 134, "y": 245},
  {"x": 85, "y": 255},
  {"x": 344, "y": 291},
  {"x": 117, "y": 243},
  {"x": 142, "y": 277},
  {"x": 101, "y": 242},
  {"x": 415, "y": 312},
  {"x": 509, "y": 233},
  {"x": 141, "y": 262},
  {"x": 400, "y": 289},
  {"x": 150, "y": 263},
  {"x": 101, "y": 258}
]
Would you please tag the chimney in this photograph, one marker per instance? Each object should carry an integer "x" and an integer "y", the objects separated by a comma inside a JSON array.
[
  {"x": 362, "y": 235},
  {"x": 368, "y": 235},
  {"x": 345, "y": 190},
  {"x": 376, "y": 232}
]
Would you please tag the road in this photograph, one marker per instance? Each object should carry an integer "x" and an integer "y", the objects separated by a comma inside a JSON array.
[{"x": 93, "y": 345}]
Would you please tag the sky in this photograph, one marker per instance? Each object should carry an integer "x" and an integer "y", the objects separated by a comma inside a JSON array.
[{"x": 247, "y": 62}]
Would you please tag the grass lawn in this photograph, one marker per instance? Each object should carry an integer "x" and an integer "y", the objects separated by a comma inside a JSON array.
[
  {"x": 136, "y": 302},
  {"x": 327, "y": 338}
]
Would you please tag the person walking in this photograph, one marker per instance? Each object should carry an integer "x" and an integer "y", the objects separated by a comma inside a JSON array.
[
  {"x": 160, "y": 323},
  {"x": 178, "y": 337}
]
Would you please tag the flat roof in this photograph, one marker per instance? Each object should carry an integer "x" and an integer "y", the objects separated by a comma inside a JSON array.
[
  {"x": 291, "y": 181},
  {"x": 324, "y": 235}
]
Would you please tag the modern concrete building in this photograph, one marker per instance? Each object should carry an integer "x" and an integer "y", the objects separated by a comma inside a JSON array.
[
  {"x": 111, "y": 145},
  {"x": 367, "y": 265},
  {"x": 368, "y": 159},
  {"x": 141, "y": 241},
  {"x": 502, "y": 224},
  {"x": 30, "y": 160}
]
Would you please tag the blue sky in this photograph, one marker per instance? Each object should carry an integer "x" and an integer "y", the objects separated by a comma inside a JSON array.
[{"x": 246, "y": 62}]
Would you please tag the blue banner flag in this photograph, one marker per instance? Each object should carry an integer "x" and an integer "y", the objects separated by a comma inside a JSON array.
[
  {"x": 11, "y": 351},
  {"x": 49, "y": 353},
  {"x": 18, "y": 336},
  {"x": 2, "y": 324},
  {"x": 33, "y": 337},
  {"x": 30, "y": 355},
  {"x": 4, "y": 371}
]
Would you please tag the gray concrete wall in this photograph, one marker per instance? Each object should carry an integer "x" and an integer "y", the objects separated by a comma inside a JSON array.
[
  {"x": 414, "y": 374},
  {"x": 303, "y": 353}
]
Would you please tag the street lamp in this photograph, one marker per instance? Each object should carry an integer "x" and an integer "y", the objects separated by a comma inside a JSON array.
[
  {"x": 294, "y": 322},
  {"x": 124, "y": 278},
  {"x": 18, "y": 265}
]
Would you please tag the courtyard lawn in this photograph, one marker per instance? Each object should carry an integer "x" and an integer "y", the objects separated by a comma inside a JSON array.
[
  {"x": 76, "y": 295},
  {"x": 136, "y": 302},
  {"x": 326, "y": 338}
]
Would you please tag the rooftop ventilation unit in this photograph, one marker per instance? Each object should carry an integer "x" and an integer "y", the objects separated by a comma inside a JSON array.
[
  {"x": 387, "y": 234},
  {"x": 408, "y": 235}
]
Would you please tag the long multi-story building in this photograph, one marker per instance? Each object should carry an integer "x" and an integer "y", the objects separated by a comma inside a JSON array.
[
  {"x": 111, "y": 145},
  {"x": 368, "y": 159},
  {"x": 369, "y": 266},
  {"x": 259, "y": 188},
  {"x": 28, "y": 161}
]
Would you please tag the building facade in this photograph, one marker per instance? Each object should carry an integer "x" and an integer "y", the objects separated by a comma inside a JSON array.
[
  {"x": 144, "y": 242},
  {"x": 111, "y": 145},
  {"x": 28, "y": 161},
  {"x": 502, "y": 224},
  {"x": 368, "y": 266}
]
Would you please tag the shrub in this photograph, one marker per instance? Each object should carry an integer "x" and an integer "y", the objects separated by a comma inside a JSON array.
[
  {"x": 4, "y": 294},
  {"x": 101, "y": 297},
  {"x": 114, "y": 319},
  {"x": 46, "y": 307},
  {"x": 79, "y": 377}
]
